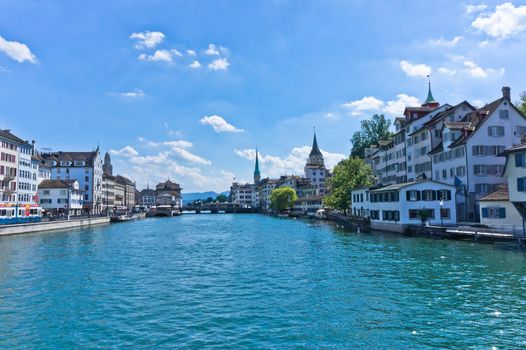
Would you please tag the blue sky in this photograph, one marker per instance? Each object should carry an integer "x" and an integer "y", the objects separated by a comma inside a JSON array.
[{"x": 187, "y": 89}]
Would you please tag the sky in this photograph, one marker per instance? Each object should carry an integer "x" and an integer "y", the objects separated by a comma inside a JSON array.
[{"x": 187, "y": 90}]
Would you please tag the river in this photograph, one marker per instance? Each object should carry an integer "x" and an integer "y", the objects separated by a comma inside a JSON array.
[{"x": 256, "y": 282}]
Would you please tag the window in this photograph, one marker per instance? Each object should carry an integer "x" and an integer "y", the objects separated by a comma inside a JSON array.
[
  {"x": 451, "y": 172},
  {"x": 445, "y": 213},
  {"x": 494, "y": 213},
  {"x": 375, "y": 215},
  {"x": 520, "y": 184},
  {"x": 520, "y": 159},
  {"x": 479, "y": 170},
  {"x": 496, "y": 131},
  {"x": 479, "y": 150},
  {"x": 461, "y": 171},
  {"x": 444, "y": 174},
  {"x": 429, "y": 195},
  {"x": 437, "y": 133},
  {"x": 504, "y": 114},
  {"x": 521, "y": 130},
  {"x": 413, "y": 195},
  {"x": 444, "y": 195}
]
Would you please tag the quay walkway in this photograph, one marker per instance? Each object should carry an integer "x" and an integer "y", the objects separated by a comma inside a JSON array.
[{"x": 16, "y": 229}]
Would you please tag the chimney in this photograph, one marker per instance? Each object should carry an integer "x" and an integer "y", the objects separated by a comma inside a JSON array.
[{"x": 506, "y": 93}]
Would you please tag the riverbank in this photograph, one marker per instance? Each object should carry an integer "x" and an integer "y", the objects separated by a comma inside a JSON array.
[{"x": 8, "y": 230}]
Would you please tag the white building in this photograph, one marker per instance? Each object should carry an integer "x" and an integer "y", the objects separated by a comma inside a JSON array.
[
  {"x": 27, "y": 173},
  {"x": 246, "y": 195},
  {"x": 395, "y": 207},
  {"x": 470, "y": 156},
  {"x": 61, "y": 196},
  {"x": 86, "y": 168},
  {"x": 496, "y": 211}
]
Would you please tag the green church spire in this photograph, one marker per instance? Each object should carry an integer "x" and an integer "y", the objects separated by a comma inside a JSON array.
[{"x": 430, "y": 98}]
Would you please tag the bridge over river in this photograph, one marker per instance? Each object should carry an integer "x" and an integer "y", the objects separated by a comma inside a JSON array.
[{"x": 216, "y": 208}]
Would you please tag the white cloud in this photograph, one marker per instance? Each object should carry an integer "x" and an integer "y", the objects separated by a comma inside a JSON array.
[
  {"x": 126, "y": 151},
  {"x": 17, "y": 51},
  {"x": 447, "y": 71},
  {"x": 370, "y": 103},
  {"x": 396, "y": 107},
  {"x": 475, "y": 71},
  {"x": 147, "y": 39},
  {"x": 507, "y": 20},
  {"x": 4, "y": 70},
  {"x": 415, "y": 70},
  {"x": 194, "y": 64},
  {"x": 475, "y": 8},
  {"x": 137, "y": 93},
  {"x": 190, "y": 52},
  {"x": 441, "y": 42},
  {"x": 212, "y": 50},
  {"x": 219, "y": 124},
  {"x": 159, "y": 56},
  {"x": 367, "y": 103},
  {"x": 219, "y": 64},
  {"x": 157, "y": 167},
  {"x": 291, "y": 164}
]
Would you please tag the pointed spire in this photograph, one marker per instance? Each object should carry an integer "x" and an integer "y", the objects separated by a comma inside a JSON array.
[
  {"x": 315, "y": 149},
  {"x": 257, "y": 173},
  {"x": 430, "y": 99}
]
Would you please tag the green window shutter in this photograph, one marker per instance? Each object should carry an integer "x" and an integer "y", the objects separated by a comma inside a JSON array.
[
  {"x": 520, "y": 184},
  {"x": 484, "y": 212},
  {"x": 448, "y": 194},
  {"x": 502, "y": 213},
  {"x": 418, "y": 196},
  {"x": 407, "y": 195},
  {"x": 518, "y": 159}
]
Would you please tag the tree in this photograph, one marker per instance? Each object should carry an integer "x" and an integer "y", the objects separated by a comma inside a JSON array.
[
  {"x": 522, "y": 102},
  {"x": 347, "y": 175},
  {"x": 221, "y": 198},
  {"x": 371, "y": 131},
  {"x": 209, "y": 200},
  {"x": 283, "y": 198}
]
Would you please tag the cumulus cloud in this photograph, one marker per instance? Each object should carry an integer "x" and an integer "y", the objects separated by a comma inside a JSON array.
[
  {"x": 506, "y": 21},
  {"x": 291, "y": 164},
  {"x": 17, "y": 51},
  {"x": 367, "y": 103},
  {"x": 415, "y": 70},
  {"x": 212, "y": 50},
  {"x": 147, "y": 39},
  {"x": 219, "y": 124},
  {"x": 169, "y": 162},
  {"x": 370, "y": 103},
  {"x": 191, "y": 53},
  {"x": 475, "y": 71},
  {"x": 396, "y": 107},
  {"x": 194, "y": 64},
  {"x": 160, "y": 56},
  {"x": 219, "y": 64},
  {"x": 126, "y": 151}
]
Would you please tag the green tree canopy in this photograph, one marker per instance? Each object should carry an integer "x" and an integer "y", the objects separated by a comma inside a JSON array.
[
  {"x": 221, "y": 198},
  {"x": 371, "y": 131},
  {"x": 283, "y": 198},
  {"x": 350, "y": 173},
  {"x": 522, "y": 102}
]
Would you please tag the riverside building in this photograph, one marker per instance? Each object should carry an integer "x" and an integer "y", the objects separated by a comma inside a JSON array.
[{"x": 86, "y": 168}]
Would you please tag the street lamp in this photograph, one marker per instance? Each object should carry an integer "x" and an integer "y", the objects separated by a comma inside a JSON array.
[{"x": 441, "y": 214}]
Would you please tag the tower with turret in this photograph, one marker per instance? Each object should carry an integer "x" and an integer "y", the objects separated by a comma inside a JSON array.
[{"x": 315, "y": 169}]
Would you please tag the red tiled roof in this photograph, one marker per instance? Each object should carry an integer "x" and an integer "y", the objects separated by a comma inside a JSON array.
[{"x": 498, "y": 194}]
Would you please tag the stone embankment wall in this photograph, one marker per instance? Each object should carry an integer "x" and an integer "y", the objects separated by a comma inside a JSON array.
[{"x": 52, "y": 225}]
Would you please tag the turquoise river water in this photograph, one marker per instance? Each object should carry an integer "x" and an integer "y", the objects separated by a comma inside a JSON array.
[{"x": 256, "y": 282}]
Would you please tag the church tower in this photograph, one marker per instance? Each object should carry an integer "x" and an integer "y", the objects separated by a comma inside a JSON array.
[
  {"x": 107, "y": 168},
  {"x": 315, "y": 168},
  {"x": 257, "y": 173},
  {"x": 430, "y": 100}
]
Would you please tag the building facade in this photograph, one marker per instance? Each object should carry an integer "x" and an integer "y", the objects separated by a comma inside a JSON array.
[
  {"x": 61, "y": 197},
  {"x": 315, "y": 170},
  {"x": 86, "y": 168}
]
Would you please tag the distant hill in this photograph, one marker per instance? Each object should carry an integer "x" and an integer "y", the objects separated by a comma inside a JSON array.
[{"x": 193, "y": 196}]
